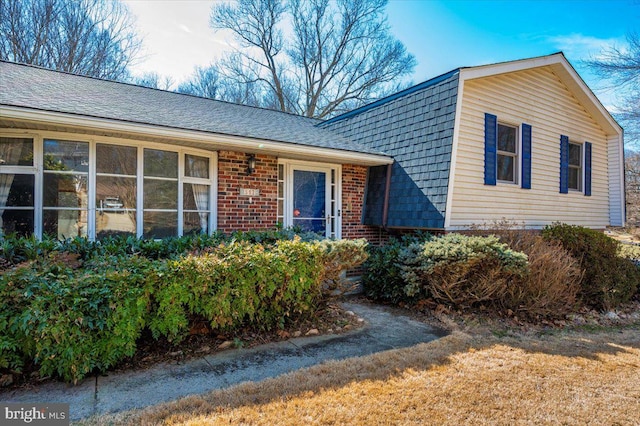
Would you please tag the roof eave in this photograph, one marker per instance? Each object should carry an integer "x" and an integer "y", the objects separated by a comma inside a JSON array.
[{"x": 217, "y": 141}]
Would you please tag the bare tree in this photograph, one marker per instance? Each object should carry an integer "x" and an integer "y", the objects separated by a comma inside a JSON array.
[
  {"x": 204, "y": 82},
  {"x": 89, "y": 37},
  {"x": 632, "y": 175},
  {"x": 209, "y": 82},
  {"x": 620, "y": 66},
  {"x": 339, "y": 54},
  {"x": 154, "y": 81}
]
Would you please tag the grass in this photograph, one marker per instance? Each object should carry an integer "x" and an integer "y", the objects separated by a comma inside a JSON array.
[{"x": 572, "y": 378}]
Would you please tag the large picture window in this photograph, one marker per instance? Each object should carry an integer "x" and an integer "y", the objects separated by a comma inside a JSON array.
[{"x": 65, "y": 188}]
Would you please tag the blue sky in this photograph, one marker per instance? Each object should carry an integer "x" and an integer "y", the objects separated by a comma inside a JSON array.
[{"x": 442, "y": 35}]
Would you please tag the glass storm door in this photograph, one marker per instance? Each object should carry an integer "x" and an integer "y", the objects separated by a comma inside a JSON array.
[
  {"x": 309, "y": 197},
  {"x": 310, "y": 201},
  {"x": 313, "y": 200}
]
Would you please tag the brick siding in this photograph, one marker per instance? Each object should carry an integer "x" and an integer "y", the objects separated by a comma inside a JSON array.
[
  {"x": 354, "y": 180},
  {"x": 242, "y": 213}
]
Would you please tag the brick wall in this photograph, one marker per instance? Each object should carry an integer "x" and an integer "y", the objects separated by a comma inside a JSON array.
[
  {"x": 241, "y": 213},
  {"x": 354, "y": 180}
]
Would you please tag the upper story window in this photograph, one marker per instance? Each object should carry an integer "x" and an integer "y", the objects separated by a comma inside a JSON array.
[
  {"x": 575, "y": 166},
  {"x": 507, "y": 153}
]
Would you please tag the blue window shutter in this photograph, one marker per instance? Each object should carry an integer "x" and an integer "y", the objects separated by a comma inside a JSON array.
[
  {"x": 564, "y": 164},
  {"x": 490, "y": 148},
  {"x": 587, "y": 169},
  {"x": 526, "y": 156}
]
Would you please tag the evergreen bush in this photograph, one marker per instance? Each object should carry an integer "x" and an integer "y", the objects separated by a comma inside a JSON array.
[
  {"x": 460, "y": 270},
  {"x": 73, "y": 307},
  {"x": 608, "y": 279}
]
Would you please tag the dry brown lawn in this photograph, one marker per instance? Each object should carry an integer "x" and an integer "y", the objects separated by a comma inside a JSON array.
[{"x": 570, "y": 378}]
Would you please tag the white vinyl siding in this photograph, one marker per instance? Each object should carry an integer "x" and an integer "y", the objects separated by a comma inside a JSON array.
[
  {"x": 539, "y": 98},
  {"x": 616, "y": 183}
]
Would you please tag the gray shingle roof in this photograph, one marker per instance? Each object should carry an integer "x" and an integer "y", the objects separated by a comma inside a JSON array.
[
  {"x": 415, "y": 126},
  {"x": 42, "y": 89}
]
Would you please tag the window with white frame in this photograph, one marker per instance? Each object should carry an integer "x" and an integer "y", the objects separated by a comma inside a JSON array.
[
  {"x": 575, "y": 166},
  {"x": 17, "y": 186},
  {"x": 65, "y": 188},
  {"x": 65, "y": 198},
  {"x": 507, "y": 167},
  {"x": 116, "y": 190},
  {"x": 160, "y": 205},
  {"x": 196, "y": 194}
]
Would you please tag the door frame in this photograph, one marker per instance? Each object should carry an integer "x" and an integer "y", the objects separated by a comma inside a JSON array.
[{"x": 290, "y": 166}]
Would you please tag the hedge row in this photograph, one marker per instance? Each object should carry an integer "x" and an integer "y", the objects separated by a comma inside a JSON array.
[{"x": 72, "y": 313}]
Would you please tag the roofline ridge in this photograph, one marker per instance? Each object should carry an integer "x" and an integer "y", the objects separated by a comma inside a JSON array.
[{"x": 423, "y": 85}]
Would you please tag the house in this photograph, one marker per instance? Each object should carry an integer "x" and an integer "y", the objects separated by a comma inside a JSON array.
[{"x": 524, "y": 140}]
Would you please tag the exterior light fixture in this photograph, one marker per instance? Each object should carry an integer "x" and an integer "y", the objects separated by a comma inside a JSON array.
[{"x": 251, "y": 164}]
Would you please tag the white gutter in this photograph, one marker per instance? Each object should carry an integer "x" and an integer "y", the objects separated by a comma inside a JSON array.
[{"x": 216, "y": 140}]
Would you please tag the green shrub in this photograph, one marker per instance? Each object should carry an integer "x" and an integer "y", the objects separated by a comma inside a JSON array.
[
  {"x": 71, "y": 321},
  {"x": 77, "y": 311},
  {"x": 237, "y": 284},
  {"x": 382, "y": 279},
  {"x": 608, "y": 279},
  {"x": 461, "y": 271},
  {"x": 15, "y": 249}
]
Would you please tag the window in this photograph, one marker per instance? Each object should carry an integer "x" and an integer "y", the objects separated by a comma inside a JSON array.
[
  {"x": 64, "y": 188},
  {"x": 507, "y": 167},
  {"x": 507, "y": 152},
  {"x": 17, "y": 186},
  {"x": 575, "y": 166},
  {"x": 196, "y": 204},
  {"x": 160, "y": 194},
  {"x": 65, "y": 182},
  {"x": 116, "y": 190}
]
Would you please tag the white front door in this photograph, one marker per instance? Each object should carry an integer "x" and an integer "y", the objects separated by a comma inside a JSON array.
[{"x": 312, "y": 199}]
